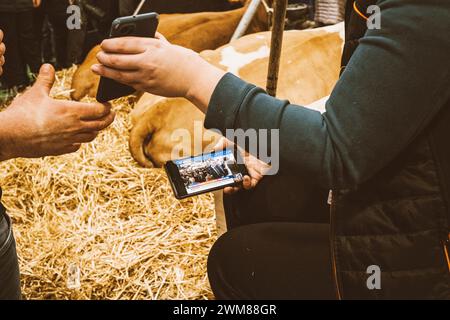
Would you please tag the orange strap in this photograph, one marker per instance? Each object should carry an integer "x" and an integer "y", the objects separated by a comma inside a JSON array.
[
  {"x": 447, "y": 255},
  {"x": 355, "y": 7}
]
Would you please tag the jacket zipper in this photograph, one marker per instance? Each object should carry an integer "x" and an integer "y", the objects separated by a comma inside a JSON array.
[
  {"x": 333, "y": 254},
  {"x": 447, "y": 251}
]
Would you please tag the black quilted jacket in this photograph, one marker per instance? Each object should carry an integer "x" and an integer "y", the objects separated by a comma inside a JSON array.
[{"x": 398, "y": 220}]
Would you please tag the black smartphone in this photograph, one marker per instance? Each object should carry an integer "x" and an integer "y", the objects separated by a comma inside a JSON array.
[
  {"x": 143, "y": 25},
  {"x": 205, "y": 173}
]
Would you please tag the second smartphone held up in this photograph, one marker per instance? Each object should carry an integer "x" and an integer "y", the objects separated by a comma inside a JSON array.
[{"x": 143, "y": 25}]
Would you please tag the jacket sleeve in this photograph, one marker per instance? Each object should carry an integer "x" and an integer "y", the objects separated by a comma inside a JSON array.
[{"x": 395, "y": 84}]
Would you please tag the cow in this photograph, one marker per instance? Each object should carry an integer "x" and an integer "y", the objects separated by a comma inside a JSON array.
[
  {"x": 196, "y": 31},
  {"x": 184, "y": 6},
  {"x": 310, "y": 66}
]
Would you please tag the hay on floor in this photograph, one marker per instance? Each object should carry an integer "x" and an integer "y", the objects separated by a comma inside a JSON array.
[{"x": 94, "y": 225}]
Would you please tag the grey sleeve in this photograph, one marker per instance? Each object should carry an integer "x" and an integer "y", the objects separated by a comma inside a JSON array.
[{"x": 395, "y": 84}]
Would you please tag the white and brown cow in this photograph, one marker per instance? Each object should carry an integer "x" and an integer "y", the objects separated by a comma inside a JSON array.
[
  {"x": 309, "y": 70},
  {"x": 196, "y": 31}
]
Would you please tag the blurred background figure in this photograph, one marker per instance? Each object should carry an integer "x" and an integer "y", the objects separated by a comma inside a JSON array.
[
  {"x": 329, "y": 11},
  {"x": 62, "y": 46},
  {"x": 51, "y": 32},
  {"x": 23, "y": 54}
]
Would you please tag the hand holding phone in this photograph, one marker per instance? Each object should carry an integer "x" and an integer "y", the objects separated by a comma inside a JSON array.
[
  {"x": 205, "y": 173},
  {"x": 143, "y": 25},
  {"x": 256, "y": 168}
]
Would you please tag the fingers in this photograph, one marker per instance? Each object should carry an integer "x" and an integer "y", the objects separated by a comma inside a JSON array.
[
  {"x": 222, "y": 144},
  {"x": 231, "y": 190},
  {"x": 247, "y": 183},
  {"x": 160, "y": 37},
  {"x": 119, "y": 61},
  {"x": 85, "y": 137},
  {"x": 45, "y": 79},
  {"x": 90, "y": 111},
  {"x": 99, "y": 125},
  {"x": 125, "y": 45},
  {"x": 125, "y": 77},
  {"x": 2, "y": 52},
  {"x": 71, "y": 148},
  {"x": 2, "y": 48}
]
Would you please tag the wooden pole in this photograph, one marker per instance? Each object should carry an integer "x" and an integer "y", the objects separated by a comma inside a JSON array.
[{"x": 279, "y": 19}]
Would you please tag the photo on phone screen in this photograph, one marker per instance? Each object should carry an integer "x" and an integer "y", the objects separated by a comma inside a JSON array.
[{"x": 205, "y": 173}]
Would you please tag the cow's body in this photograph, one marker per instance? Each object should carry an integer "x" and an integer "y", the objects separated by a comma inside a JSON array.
[
  {"x": 184, "y": 6},
  {"x": 309, "y": 70},
  {"x": 196, "y": 31}
]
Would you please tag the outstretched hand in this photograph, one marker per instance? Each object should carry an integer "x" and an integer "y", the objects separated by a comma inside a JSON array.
[{"x": 35, "y": 125}]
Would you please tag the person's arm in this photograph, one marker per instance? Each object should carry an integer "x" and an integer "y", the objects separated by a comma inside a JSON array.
[
  {"x": 158, "y": 67},
  {"x": 395, "y": 84}
]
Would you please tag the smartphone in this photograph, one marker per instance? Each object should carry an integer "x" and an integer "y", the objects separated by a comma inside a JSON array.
[
  {"x": 143, "y": 25},
  {"x": 205, "y": 173}
]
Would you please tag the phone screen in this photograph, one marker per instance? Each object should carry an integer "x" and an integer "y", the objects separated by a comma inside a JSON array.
[{"x": 205, "y": 173}]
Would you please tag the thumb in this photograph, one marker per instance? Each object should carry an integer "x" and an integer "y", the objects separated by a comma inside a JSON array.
[
  {"x": 45, "y": 79},
  {"x": 222, "y": 144},
  {"x": 159, "y": 36}
]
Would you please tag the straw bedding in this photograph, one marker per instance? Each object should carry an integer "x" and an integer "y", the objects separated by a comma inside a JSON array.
[{"x": 97, "y": 215}]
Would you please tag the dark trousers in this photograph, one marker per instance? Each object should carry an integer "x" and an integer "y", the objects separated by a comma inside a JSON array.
[
  {"x": 58, "y": 22},
  {"x": 22, "y": 48},
  {"x": 9, "y": 266},
  {"x": 277, "y": 246},
  {"x": 59, "y": 45}
]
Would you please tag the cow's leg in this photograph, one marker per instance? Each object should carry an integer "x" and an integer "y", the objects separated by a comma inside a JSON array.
[
  {"x": 140, "y": 136},
  {"x": 220, "y": 213}
]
